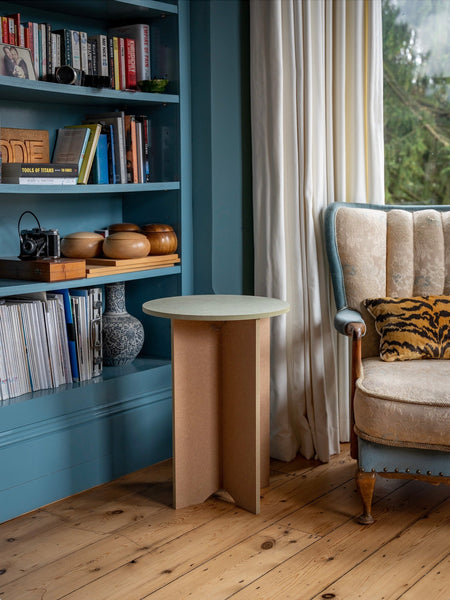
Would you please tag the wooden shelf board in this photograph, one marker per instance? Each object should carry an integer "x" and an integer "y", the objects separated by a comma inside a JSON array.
[
  {"x": 119, "y": 188},
  {"x": 9, "y": 287},
  {"x": 55, "y": 93}
]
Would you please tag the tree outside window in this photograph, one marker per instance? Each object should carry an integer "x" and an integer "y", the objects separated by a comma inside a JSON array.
[{"x": 416, "y": 44}]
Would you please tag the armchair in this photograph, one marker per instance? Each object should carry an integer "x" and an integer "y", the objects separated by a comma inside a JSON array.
[{"x": 390, "y": 268}]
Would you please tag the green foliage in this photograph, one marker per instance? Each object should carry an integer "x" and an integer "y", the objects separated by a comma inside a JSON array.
[{"x": 416, "y": 107}]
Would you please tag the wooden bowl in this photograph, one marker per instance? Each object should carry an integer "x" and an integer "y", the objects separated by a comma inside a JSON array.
[
  {"x": 162, "y": 238},
  {"x": 82, "y": 244},
  {"x": 126, "y": 244},
  {"x": 115, "y": 227}
]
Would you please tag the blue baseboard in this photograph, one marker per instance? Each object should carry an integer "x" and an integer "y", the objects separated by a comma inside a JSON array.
[{"x": 58, "y": 444}]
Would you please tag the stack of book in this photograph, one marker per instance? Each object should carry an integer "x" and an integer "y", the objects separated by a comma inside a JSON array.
[
  {"x": 106, "y": 148},
  {"x": 49, "y": 339},
  {"x": 122, "y": 56},
  {"x": 40, "y": 173}
]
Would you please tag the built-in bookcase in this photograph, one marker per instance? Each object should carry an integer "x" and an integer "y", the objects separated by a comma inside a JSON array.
[{"x": 54, "y": 443}]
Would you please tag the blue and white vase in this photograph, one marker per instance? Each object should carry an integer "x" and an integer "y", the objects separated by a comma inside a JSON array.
[{"x": 123, "y": 334}]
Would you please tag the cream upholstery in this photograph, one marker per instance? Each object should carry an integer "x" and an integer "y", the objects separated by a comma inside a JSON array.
[
  {"x": 404, "y": 403},
  {"x": 396, "y": 253},
  {"x": 400, "y": 410}
]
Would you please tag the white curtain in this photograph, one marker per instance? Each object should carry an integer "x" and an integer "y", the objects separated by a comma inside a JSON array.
[{"x": 317, "y": 137}]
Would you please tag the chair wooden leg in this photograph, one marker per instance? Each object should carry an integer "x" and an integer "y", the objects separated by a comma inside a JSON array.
[{"x": 365, "y": 482}]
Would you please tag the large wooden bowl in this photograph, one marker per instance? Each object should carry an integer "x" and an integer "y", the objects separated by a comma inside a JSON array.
[
  {"x": 115, "y": 227},
  {"x": 126, "y": 244},
  {"x": 162, "y": 238},
  {"x": 82, "y": 244}
]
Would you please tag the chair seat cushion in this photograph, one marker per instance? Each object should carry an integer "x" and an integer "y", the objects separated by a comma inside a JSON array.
[{"x": 404, "y": 403}]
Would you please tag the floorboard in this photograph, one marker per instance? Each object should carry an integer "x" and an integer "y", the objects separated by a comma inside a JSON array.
[{"x": 123, "y": 540}]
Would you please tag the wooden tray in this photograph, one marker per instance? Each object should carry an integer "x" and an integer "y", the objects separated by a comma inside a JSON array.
[
  {"x": 102, "y": 270},
  {"x": 45, "y": 269},
  {"x": 138, "y": 262}
]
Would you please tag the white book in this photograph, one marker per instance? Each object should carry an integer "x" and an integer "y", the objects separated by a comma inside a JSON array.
[
  {"x": 6, "y": 338},
  {"x": 61, "y": 328},
  {"x": 84, "y": 51},
  {"x": 76, "y": 50},
  {"x": 41, "y": 180},
  {"x": 20, "y": 361},
  {"x": 140, "y": 33},
  {"x": 3, "y": 372}
]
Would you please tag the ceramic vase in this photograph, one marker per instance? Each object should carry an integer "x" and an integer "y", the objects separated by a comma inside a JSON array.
[{"x": 123, "y": 334}]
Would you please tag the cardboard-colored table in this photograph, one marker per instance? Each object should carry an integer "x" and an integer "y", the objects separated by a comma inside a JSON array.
[{"x": 221, "y": 394}]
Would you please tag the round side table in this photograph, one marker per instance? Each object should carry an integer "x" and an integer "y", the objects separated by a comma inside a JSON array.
[{"x": 221, "y": 394}]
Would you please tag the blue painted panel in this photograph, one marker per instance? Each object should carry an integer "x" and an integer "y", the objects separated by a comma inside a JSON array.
[
  {"x": 221, "y": 147},
  {"x": 120, "y": 426}
]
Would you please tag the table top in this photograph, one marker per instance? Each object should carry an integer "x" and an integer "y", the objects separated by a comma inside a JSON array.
[{"x": 216, "y": 307}]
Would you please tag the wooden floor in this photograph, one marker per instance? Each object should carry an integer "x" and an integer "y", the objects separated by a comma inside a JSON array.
[{"x": 124, "y": 541}]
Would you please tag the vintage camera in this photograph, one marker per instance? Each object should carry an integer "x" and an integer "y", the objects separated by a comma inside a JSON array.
[
  {"x": 69, "y": 76},
  {"x": 38, "y": 242}
]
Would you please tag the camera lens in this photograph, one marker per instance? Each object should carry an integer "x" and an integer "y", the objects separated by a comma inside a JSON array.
[
  {"x": 29, "y": 246},
  {"x": 65, "y": 74}
]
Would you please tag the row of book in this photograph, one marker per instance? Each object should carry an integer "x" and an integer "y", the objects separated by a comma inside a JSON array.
[
  {"x": 48, "y": 339},
  {"x": 122, "y": 55},
  {"x": 106, "y": 148}
]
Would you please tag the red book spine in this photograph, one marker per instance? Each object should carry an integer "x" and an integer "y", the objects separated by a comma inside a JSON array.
[
  {"x": 130, "y": 64},
  {"x": 5, "y": 31}
]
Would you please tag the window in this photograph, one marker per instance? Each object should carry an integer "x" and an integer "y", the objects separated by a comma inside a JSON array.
[{"x": 416, "y": 47}]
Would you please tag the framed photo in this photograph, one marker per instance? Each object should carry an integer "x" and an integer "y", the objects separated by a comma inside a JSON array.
[{"x": 15, "y": 61}]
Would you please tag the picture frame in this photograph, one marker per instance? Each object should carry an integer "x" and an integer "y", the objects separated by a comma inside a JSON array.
[{"x": 16, "y": 61}]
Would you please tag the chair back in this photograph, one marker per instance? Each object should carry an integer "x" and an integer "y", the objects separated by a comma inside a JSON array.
[{"x": 377, "y": 251}]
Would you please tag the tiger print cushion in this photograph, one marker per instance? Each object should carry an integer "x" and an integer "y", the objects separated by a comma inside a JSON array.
[{"x": 412, "y": 328}]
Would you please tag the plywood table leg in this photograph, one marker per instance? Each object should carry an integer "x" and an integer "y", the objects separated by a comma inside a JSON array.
[{"x": 196, "y": 411}]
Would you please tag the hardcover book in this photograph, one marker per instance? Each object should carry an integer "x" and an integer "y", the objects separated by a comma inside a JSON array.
[
  {"x": 91, "y": 147},
  {"x": 71, "y": 145}
]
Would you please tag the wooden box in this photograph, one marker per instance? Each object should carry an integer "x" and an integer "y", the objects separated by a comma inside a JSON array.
[{"x": 50, "y": 269}]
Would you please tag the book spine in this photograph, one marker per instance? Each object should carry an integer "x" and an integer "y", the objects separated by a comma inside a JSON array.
[
  {"x": 11, "y": 31},
  {"x": 42, "y": 51},
  {"x": 122, "y": 75},
  {"x": 84, "y": 52},
  {"x": 5, "y": 32},
  {"x": 130, "y": 64},
  {"x": 102, "y": 54},
  {"x": 94, "y": 46},
  {"x": 56, "y": 50},
  {"x": 35, "y": 37},
  {"x": 76, "y": 52},
  {"x": 100, "y": 167},
  {"x": 111, "y": 69},
  {"x": 22, "y": 36},
  {"x": 116, "y": 63},
  {"x": 49, "y": 53}
]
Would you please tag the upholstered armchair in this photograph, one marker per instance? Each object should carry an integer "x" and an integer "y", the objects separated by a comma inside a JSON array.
[{"x": 390, "y": 268}]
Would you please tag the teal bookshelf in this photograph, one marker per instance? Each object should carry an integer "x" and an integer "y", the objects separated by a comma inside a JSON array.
[{"x": 57, "y": 442}]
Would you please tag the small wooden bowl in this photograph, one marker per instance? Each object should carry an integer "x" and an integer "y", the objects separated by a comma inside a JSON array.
[
  {"x": 115, "y": 227},
  {"x": 162, "y": 238},
  {"x": 82, "y": 244},
  {"x": 126, "y": 244}
]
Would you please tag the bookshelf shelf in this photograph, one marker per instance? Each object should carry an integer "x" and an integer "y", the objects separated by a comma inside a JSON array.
[
  {"x": 140, "y": 365},
  {"x": 127, "y": 188},
  {"x": 57, "y": 93},
  {"x": 11, "y": 287}
]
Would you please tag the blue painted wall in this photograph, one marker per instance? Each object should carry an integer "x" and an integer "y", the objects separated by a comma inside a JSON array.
[{"x": 221, "y": 151}]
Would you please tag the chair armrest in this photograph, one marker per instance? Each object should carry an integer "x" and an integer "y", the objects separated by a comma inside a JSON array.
[
  {"x": 350, "y": 323},
  {"x": 347, "y": 321}
]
